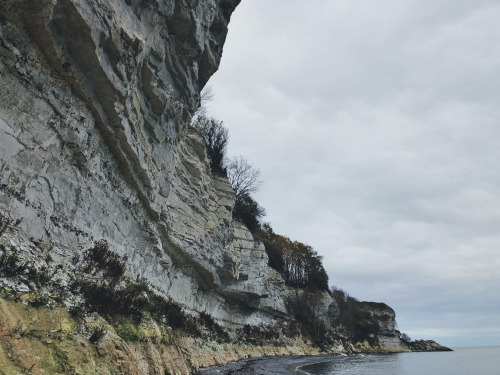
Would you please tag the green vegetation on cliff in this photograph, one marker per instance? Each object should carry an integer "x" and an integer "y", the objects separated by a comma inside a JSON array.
[
  {"x": 354, "y": 316},
  {"x": 299, "y": 263}
]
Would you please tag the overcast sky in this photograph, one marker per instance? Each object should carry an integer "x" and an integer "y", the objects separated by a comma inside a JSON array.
[{"x": 375, "y": 125}]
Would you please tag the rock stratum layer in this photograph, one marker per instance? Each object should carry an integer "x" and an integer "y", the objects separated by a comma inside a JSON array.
[{"x": 96, "y": 98}]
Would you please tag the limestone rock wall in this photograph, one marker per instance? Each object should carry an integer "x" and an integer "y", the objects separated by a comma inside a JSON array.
[
  {"x": 94, "y": 144},
  {"x": 385, "y": 317}
]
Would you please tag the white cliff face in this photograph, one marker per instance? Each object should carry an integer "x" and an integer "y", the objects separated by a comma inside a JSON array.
[
  {"x": 96, "y": 97},
  {"x": 94, "y": 144}
]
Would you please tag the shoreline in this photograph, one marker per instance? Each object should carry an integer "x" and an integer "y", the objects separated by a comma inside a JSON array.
[
  {"x": 370, "y": 364},
  {"x": 285, "y": 364},
  {"x": 293, "y": 363}
]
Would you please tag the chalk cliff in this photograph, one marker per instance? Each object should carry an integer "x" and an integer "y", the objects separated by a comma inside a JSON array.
[{"x": 96, "y": 98}]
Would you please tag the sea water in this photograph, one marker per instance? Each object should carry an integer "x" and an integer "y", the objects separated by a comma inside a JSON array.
[{"x": 462, "y": 361}]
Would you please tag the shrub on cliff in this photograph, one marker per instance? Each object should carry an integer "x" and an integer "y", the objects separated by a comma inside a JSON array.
[
  {"x": 216, "y": 331},
  {"x": 101, "y": 282},
  {"x": 248, "y": 211},
  {"x": 215, "y": 137},
  {"x": 111, "y": 300},
  {"x": 13, "y": 266},
  {"x": 100, "y": 259},
  {"x": 7, "y": 223},
  {"x": 10, "y": 263}
]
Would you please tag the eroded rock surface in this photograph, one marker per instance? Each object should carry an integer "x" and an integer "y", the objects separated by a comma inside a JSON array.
[
  {"x": 96, "y": 98},
  {"x": 427, "y": 346}
]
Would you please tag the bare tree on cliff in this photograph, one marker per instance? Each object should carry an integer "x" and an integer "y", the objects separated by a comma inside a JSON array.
[
  {"x": 206, "y": 96},
  {"x": 244, "y": 180},
  {"x": 243, "y": 177}
]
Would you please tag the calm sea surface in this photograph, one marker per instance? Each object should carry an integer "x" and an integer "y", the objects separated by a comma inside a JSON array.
[{"x": 462, "y": 361}]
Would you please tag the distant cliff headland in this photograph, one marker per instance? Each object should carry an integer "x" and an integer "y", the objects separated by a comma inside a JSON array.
[{"x": 122, "y": 248}]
